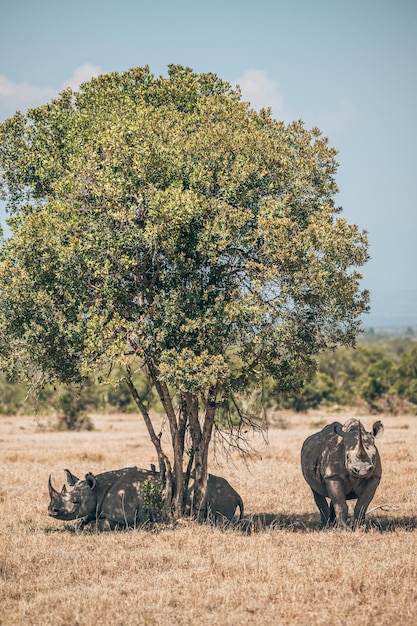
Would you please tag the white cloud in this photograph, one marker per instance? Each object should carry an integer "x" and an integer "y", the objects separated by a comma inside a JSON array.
[
  {"x": 23, "y": 96},
  {"x": 22, "y": 92},
  {"x": 81, "y": 75},
  {"x": 262, "y": 92}
]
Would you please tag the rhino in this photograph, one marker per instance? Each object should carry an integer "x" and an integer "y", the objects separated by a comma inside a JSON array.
[
  {"x": 109, "y": 500},
  {"x": 340, "y": 463},
  {"x": 221, "y": 500},
  {"x": 123, "y": 498}
]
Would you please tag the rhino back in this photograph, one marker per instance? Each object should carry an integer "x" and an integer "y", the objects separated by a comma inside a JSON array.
[{"x": 120, "y": 496}]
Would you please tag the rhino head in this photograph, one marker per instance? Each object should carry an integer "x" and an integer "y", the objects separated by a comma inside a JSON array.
[
  {"x": 360, "y": 451},
  {"x": 76, "y": 502}
]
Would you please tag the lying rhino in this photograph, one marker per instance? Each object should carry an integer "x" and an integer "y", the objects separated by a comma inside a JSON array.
[
  {"x": 120, "y": 498},
  {"x": 109, "y": 500},
  {"x": 221, "y": 500},
  {"x": 342, "y": 463}
]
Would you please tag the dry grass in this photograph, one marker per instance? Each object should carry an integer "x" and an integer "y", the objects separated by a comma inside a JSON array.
[{"x": 278, "y": 569}]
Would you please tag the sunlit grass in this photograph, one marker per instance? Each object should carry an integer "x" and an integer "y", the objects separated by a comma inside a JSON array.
[{"x": 276, "y": 567}]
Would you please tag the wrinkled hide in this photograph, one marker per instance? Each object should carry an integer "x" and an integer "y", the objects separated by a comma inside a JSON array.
[
  {"x": 116, "y": 499},
  {"x": 341, "y": 463}
]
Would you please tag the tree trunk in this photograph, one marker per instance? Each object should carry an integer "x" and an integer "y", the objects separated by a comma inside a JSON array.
[
  {"x": 201, "y": 442},
  {"x": 175, "y": 496},
  {"x": 190, "y": 408},
  {"x": 177, "y": 440}
]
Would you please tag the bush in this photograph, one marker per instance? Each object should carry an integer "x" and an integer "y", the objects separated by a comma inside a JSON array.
[
  {"x": 71, "y": 408},
  {"x": 321, "y": 390},
  {"x": 406, "y": 384},
  {"x": 12, "y": 397}
]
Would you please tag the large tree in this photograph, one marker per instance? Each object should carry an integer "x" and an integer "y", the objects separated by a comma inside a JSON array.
[{"x": 163, "y": 224}]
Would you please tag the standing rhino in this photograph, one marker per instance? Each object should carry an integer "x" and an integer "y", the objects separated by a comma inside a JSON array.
[
  {"x": 342, "y": 463},
  {"x": 127, "y": 497}
]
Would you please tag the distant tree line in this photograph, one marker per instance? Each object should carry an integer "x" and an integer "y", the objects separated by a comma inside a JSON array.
[
  {"x": 72, "y": 404},
  {"x": 380, "y": 375}
]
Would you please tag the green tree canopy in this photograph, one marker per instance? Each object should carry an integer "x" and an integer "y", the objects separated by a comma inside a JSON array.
[{"x": 162, "y": 223}]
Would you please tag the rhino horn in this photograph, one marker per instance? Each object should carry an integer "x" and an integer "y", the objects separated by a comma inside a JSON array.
[
  {"x": 52, "y": 490},
  {"x": 360, "y": 450},
  {"x": 360, "y": 435},
  {"x": 350, "y": 424}
]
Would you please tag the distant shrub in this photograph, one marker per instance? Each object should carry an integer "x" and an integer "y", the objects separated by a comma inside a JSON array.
[
  {"x": 12, "y": 397},
  {"x": 406, "y": 384},
  {"x": 381, "y": 374},
  {"x": 71, "y": 408},
  {"x": 321, "y": 390}
]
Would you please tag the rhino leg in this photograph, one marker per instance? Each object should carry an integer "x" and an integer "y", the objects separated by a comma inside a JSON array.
[
  {"x": 364, "y": 499},
  {"x": 97, "y": 525},
  {"x": 323, "y": 507},
  {"x": 332, "y": 514},
  {"x": 104, "y": 525},
  {"x": 338, "y": 498}
]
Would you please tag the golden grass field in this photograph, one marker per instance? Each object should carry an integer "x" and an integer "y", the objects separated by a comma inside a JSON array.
[{"x": 277, "y": 568}]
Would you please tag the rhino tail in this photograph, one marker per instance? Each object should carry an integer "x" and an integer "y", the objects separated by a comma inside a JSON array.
[{"x": 241, "y": 508}]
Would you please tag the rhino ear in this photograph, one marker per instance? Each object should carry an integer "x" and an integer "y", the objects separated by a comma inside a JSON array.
[
  {"x": 338, "y": 429},
  {"x": 71, "y": 479},
  {"x": 377, "y": 429},
  {"x": 91, "y": 480}
]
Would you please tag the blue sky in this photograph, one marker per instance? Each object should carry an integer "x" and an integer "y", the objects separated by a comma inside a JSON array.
[{"x": 347, "y": 67}]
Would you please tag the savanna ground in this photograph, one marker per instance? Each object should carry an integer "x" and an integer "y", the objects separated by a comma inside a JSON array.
[{"x": 277, "y": 567}]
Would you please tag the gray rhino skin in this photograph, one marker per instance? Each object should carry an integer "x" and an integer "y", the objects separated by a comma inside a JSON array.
[
  {"x": 117, "y": 499},
  {"x": 221, "y": 500},
  {"x": 342, "y": 463},
  {"x": 109, "y": 500}
]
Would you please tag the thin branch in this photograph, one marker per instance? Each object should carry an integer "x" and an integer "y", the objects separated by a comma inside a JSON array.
[
  {"x": 164, "y": 463},
  {"x": 236, "y": 437}
]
